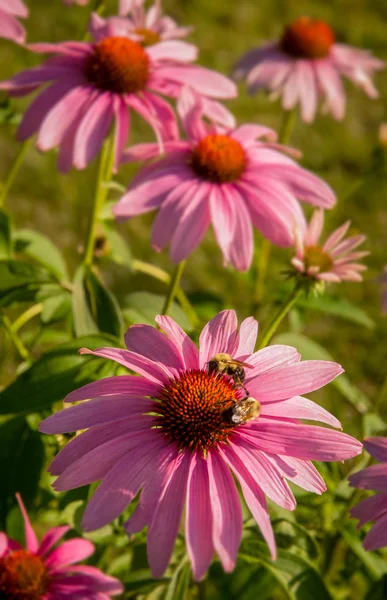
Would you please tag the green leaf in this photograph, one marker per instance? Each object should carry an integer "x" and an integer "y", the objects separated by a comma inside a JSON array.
[
  {"x": 142, "y": 307},
  {"x": 15, "y": 274},
  {"x": 374, "y": 564},
  {"x": 313, "y": 351},
  {"x": 56, "y": 308},
  {"x": 120, "y": 252},
  {"x": 338, "y": 307},
  {"x": 178, "y": 586},
  {"x": 141, "y": 582},
  {"x": 53, "y": 376},
  {"x": 378, "y": 590},
  {"x": 39, "y": 247},
  {"x": 5, "y": 235},
  {"x": 84, "y": 323},
  {"x": 21, "y": 462}
]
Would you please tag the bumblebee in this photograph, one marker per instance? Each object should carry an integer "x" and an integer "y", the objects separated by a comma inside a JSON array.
[
  {"x": 226, "y": 364},
  {"x": 242, "y": 411}
]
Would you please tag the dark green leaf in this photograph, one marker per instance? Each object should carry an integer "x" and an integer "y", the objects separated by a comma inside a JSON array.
[
  {"x": 178, "y": 586},
  {"x": 56, "y": 307},
  {"x": 312, "y": 351},
  {"x": 53, "y": 376},
  {"x": 120, "y": 252},
  {"x": 39, "y": 247},
  {"x": 15, "y": 274},
  {"x": 5, "y": 235},
  {"x": 142, "y": 307},
  {"x": 378, "y": 590},
  {"x": 374, "y": 564},
  {"x": 339, "y": 307},
  {"x": 84, "y": 323},
  {"x": 21, "y": 462},
  {"x": 141, "y": 582}
]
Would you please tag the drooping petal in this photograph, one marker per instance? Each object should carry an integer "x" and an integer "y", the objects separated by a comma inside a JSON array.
[
  {"x": 149, "y": 342},
  {"x": 299, "y": 408},
  {"x": 241, "y": 248},
  {"x": 377, "y": 537},
  {"x": 93, "y": 129},
  {"x": 370, "y": 509},
  {"x": 31, "y": 540},
  {"x": 371, "y": 478},
  {"x": 377, "y": 447},
  {"x": 121, "y": 384},
  {"x": 68, "y": 553},
  {"x": 302, "y": 473}
]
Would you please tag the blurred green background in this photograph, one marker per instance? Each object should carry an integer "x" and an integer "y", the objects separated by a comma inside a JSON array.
[{"x": 341, "y": 153}]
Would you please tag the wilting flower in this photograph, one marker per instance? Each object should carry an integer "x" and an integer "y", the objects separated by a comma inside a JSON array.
[
  {"x": 232, "y": 178},
  {"x": 93, "y": 84},
  {"x": 148, "y": 27},
  {"x": 10, "y": 27},
  {"x": 306, "y": 65},
  {"x": 335, "y": 260},
  {"x": 48, "y": 572},
  {"x": 373, "y": 508},
  {"x": 179, "y": 430}
]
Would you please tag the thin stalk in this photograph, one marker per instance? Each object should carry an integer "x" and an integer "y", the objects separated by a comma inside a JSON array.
[
  {"x": 15, "y": 339},
  {"x": 173, "y": 287},
  {"x": 26, "y": 316},
  {"x": 14, "y": 171},
  {"x": 202, "y": 592},
  {"x": 105, "y": 168},
  {"x": 281, "y": 314},
  {"x": 262, "y": 264},
  {"x": 161, "y": 275},
  {"x": 288, "y": 121}
]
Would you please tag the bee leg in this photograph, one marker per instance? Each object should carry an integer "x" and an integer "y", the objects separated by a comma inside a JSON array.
[{"x": 246, "y": 391}]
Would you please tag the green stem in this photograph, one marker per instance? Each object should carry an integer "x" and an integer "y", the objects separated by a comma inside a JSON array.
[
  {"x": 173, "y": 287},
  {"x": 26, "y": 316},
  {"x": 14, "y": 171},
  {"x": 202, "y": 592},
  {"x": 15, "y": 339},
  {"x": 283, "y": 311},
  {"x": 105, "y": 168},
  {"x": 263, "y": 262},
  {"x": 288, "y": 121}
]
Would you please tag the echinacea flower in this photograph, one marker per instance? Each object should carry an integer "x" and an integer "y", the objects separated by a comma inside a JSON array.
[
  {"x": 306, "y": 66},
  {"x": 232, "y": 178},
  {"x": 48, "y": 572},
  {"x": 335, "y": 260},
  {"x": 145, "y": 26},
  {"x": 373, "y": 508},
  {"x": 10, "y": 28},
  {"x": 90, "y": 85},
  {"x": 176, "y": 434}
]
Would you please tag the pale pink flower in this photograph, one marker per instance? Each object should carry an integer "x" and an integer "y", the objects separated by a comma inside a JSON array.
[
  {"x": 145, "y": 26},
  {"x": 175, "y": 434},
  {"x": 92, "y": 85},
  {"x": 10, "y": 28},
  {"x": 305, "y": 66},
  {"x": 44, "y": 571},
  {"x": 232, "y": 178},
  {"x": 335, "y": 260},
  {"x": 373, "y": 508}
]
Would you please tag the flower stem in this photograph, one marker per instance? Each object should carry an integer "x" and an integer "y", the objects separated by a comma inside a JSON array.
[
  {"x": 262, "y": 264},
  {"x": 15, "y": 339},
  {"x": 288, "y": 121},
  {"x": 105, "y": 168},
  {"x": 26, "y": 316},
  {"x": 283, "y": 311},
  {"x": 173, "y": 287},
  {"x": 14, "y": 171}
]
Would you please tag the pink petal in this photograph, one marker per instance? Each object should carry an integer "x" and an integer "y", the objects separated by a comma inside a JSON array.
[
  {"x": 122, "y": 126},
  {"x": 300, "y": 408},
  {"x": 371, "y": 478},
  {"x": 309, "y": 91},
  {"x": 149, "y": 342},
  {"x": 218, "y": 335},
  {"x": 192, "y": 226},
  {"x": 190, "y": 109},
  {"x": 270, "y": 357},
  {"x": 370, "y": 509},
  {"x": 336, "y": 236},
  {"x": 10, "y": 28},
  {"x": 100, "y": 411},
  {"x": 167, "y": 516},
  {"x": 216, "y": 112},
  {"x": 314, "y": 228},
  {"x": 199, "y": 517},
  {"x": 223, "y": 214},
  {"x": 377, "y": 447},
  {"x": 247, "y": 134},
  {"x": 204, "y": 81},
  {"x": 255, "y": 498},
  {"x": 173, "y": 50},
  {"x": 226, "y": 511},
  {"x": 377, "y": 537},
  {"x": 51, "y": 538},
  {"x": 293, "y": 380},
  {"x": 129, "y": 384},
  {"x": 246, "y": 339},
  {"x": 300, "y": 441},
  {"x": 241, "y": 249},
  {"x": 302, "y": 473},
  {"x": 181, "y": 340},
  {"x": 68, "y": 553},
  {"x": 31, "y": 540},
  {"x": 330, "y": 83},
  {"x": 93, "y": 129},
  {"x": 15, "y": 7}
]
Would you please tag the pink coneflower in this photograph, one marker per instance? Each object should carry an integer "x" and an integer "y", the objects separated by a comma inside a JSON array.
[
  {"x": 306, "y": 65},
  {"x": 148, "y": 27},
  {"x": 10, "y": 27},
  {"x": 93, "y": 84},
  {"x": 41, "y": 571},
  {"x": 180, "y": 430},
  {"x": 375, "y": 507},
  {"x": 335, "y": 260},
  {"x": 232, "y": 178}
]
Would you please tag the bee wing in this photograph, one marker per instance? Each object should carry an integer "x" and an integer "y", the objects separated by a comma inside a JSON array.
[{"x": 243, "y": 364}]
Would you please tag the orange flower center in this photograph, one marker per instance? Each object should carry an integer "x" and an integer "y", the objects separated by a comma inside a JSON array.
[
  {"x": 23, "y": 576},
  {"x": 218, "y": 158},
  {"x": 307, "y": 38},
  {"x": 314, "y": 256},
  {"x": 119, "y": 65},
  {"x": 192, "y": 409},
  {"x": 149, "y": 37}
]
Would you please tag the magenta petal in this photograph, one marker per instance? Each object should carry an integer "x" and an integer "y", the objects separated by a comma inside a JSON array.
[
  {"x": 167, "y": 516},
  {"x": 93, "y": 129},
  {"x": 181, "y": 340},
  {"x": 371, "y": 478},
  {"x": 253, "y": 495},
  {"x": 192, "y": 226},
  {"x": 51, "y": 538},
  {"x": 122, "y": 384},
  {"x": 370, "y": 509},
  {"x": 272, "y": 356},
  {"x": 32, "y": 543},
  {"x": 377, "y": 537},
  {"x": 198, "y": 524},
  {"x": 68, "y": 553},
  {"x": 226, "y": 511},
  {"x": 100, "y": 582},
  {"x": 218, "y": 335},
  {"x": 377, "y": 447},
  {"x": 302, "y": 473},
  {"x": 149, "y": 342}
]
